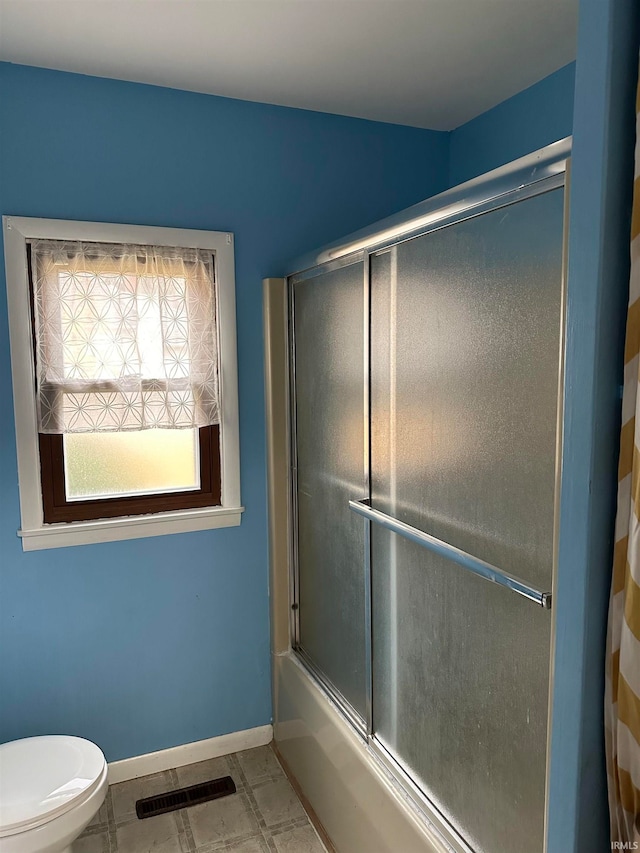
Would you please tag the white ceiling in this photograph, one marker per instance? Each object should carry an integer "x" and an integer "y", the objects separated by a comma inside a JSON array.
[{"x": 427, "y": 63}]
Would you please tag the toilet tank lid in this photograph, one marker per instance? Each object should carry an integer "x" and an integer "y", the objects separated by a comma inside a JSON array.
[{"x": 42, "y": 777}]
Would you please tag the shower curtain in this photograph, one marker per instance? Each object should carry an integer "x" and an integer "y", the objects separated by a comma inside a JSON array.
[{"x": 622, "y": 700}]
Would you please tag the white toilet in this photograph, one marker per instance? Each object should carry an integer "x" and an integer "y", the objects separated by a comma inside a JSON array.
[{"x": 50, "y": 790}]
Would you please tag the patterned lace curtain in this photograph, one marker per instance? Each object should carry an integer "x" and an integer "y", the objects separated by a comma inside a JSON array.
[
  {"x": 622, "y": 685},
  {"x": 125, "y": 337}
]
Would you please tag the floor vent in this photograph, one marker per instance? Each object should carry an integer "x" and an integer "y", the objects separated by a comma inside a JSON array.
[{"x": 183, "y": 797}]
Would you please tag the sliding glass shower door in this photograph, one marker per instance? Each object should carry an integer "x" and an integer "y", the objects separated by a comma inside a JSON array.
[
  {"x": 464, "y": 390},
  {"x": 426, "y": 383},
  {"x": 328, "y": 311}
]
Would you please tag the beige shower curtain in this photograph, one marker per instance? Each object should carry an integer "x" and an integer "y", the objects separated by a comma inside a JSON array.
[{"x": 622, "y": 700}]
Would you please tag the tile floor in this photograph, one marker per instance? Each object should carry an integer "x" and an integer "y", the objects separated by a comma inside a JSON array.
[{"x": 263, "y": 815}]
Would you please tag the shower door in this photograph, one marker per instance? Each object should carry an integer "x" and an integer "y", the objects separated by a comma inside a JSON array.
[
  {"x": 464, "y": 389},
  {"x": 328, "y": 327},
  {"x": 426, "y": 384}
]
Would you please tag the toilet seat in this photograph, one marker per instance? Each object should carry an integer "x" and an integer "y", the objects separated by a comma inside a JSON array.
[{"x": 41, "y": 778}]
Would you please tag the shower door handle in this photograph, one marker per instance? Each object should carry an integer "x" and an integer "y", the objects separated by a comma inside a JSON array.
[{"x": 443, "y": 549}]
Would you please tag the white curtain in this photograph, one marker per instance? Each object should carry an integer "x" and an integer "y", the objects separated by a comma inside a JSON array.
[{"x": 125, "y": 337}]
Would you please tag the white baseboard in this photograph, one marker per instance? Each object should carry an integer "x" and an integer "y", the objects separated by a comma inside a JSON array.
[{"x": 188, "y": 753}]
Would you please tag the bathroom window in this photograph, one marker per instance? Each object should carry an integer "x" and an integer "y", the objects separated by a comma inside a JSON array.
[{"x": 124, "y": 337}]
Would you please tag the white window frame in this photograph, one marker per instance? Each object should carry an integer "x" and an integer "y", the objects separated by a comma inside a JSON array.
[{"x": 35, "y": 534}]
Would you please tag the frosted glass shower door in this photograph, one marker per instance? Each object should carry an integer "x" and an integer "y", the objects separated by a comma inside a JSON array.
[
  {"x": 328, "y": 326},
  {"x": 465, "y": 352}
]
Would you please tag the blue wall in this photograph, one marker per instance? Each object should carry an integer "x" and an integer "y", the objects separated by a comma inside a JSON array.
[
  {"x": 147, "y": 644},
  {"x": 529, "y": 120},
  {"x": 597, "y": 295}
]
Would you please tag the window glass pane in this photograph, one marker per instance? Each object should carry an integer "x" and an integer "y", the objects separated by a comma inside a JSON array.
[{"x": 117, "y": 464}]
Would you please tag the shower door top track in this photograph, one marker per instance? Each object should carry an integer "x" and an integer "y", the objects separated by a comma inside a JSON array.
[{"x": 529, "y": 175}]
